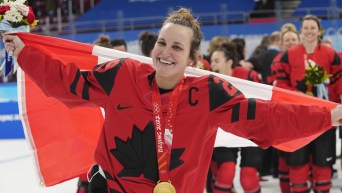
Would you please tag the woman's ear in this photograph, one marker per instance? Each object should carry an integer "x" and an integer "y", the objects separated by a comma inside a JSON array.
[{"x": 229, "y": 63}]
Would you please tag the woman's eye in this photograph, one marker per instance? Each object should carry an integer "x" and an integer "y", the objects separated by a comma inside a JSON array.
[
  {"x": 177, "y": 48},
  {"x": 161, "y": 43}
]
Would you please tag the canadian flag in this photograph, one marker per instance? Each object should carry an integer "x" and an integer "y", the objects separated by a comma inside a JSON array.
[{"x": 63, "y": 140}]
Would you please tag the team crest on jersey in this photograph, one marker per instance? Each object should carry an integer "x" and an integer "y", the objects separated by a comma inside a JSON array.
[
  {"x": 138, "y": 154},
  {"x": 220, "y": 92}
]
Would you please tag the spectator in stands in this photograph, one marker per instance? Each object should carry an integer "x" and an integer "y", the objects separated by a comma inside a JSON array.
[
  {"x": 138, "y": 151},
  {"x": 119, "y": 44},
  {"x": 321, "y": 151},
  {"x": 147, "y": 40},
  {"x": 224, "y": 61},
  {"x": 263, "y": 9}
]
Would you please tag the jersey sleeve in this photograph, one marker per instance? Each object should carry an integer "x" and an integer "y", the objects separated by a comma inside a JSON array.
[
  {"x": 264, "y": 122},
  {"x": 67, "y": 82},
  {"x": 253, "y": 76}
]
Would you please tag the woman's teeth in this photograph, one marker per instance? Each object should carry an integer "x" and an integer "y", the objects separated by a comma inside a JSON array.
[{"x": 165, "y": 61}]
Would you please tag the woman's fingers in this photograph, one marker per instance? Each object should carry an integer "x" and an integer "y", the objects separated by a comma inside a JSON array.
[
  {"x": 13, "y": 43},
  {"x": 9, "y": 44}
]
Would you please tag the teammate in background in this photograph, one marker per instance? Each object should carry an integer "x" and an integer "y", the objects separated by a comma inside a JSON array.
[
  {"x": 322, "y": 150},
  {"x": 147, "y": 40},
  {"x": 224, "y": 61},
  {"x": 289, "y": 38},
  {"x": 215, "y": 43},
  {"x": 119, "y": 44},
  {"x": 103, "y": 41},
  {"x": 241, "y": 50},
  {"x": 140, "y": 152}
]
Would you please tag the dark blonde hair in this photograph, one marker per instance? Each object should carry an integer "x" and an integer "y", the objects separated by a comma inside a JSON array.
[
  {"x": 288, "y": 27},
  {"x": 184, "y": 17},
  {"x": 103, "y": 41},
  {"x": 216, "y": 42}
]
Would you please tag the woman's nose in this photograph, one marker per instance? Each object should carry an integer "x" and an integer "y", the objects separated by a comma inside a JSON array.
[{"x": 166, "y": 51}]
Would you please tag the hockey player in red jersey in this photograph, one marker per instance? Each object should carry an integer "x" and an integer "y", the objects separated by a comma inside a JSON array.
[
  {"x": 224, "y": 61},
  {"x": 160, "y": 126},
  {"x": 289, "y": 38},
  {"x": 322, "y": 150}
]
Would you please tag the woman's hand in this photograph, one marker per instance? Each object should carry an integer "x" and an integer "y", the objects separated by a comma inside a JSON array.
[
  {"x": 13, "y": 43},
  {"x": 336, "y": 116}
]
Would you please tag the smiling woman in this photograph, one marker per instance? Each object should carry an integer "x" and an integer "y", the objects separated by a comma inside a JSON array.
[
  {"x": 295, "y": 63},
  {"x": 176, "y": 47},
  {"x": 133, "y": 153}
]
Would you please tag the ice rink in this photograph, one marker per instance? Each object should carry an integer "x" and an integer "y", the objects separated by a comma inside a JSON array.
[{"x": 17, "y": 173}]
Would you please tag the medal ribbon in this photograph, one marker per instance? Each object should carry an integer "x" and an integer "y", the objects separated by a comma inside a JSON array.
[{"x": 164, "y": 130}]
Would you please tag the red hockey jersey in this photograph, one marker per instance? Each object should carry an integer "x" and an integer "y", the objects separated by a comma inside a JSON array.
[
  {"x": 126, "y": 149},
  {"x": 246, "y": 74},
  {"x": 291, "y": 69}
]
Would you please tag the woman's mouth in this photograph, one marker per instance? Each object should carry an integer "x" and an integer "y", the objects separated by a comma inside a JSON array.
[{"x": 166, "y": 62}]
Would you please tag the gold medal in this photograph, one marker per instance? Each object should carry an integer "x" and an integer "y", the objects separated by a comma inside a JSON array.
[{"x": 164, "y": 187}]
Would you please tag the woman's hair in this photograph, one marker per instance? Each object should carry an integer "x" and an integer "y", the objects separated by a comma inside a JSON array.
[
  {"x": 317, "y": 20},
  {"x": 119, "y": 42},
  {"x": 216, "y": 42},
  {"x": 314, "y": 18},
  {"x": 184, "y": 17},
  {"x": 103, "y": 41},
  {"x": 147, "y": 41},
  {"x": 265, "y": 41},
  {"x": 288, "y": 27},
  {"x": 240, "y": 47},
  {"x": 230, "y": 52}
]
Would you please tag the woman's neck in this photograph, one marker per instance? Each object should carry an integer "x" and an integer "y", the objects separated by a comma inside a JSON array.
[
  {"x": 310, "y": 46},
  {"x": 167, "y": 83}
]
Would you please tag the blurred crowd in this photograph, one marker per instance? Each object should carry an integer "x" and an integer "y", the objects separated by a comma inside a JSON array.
[{"x": 48, "y": 8}]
